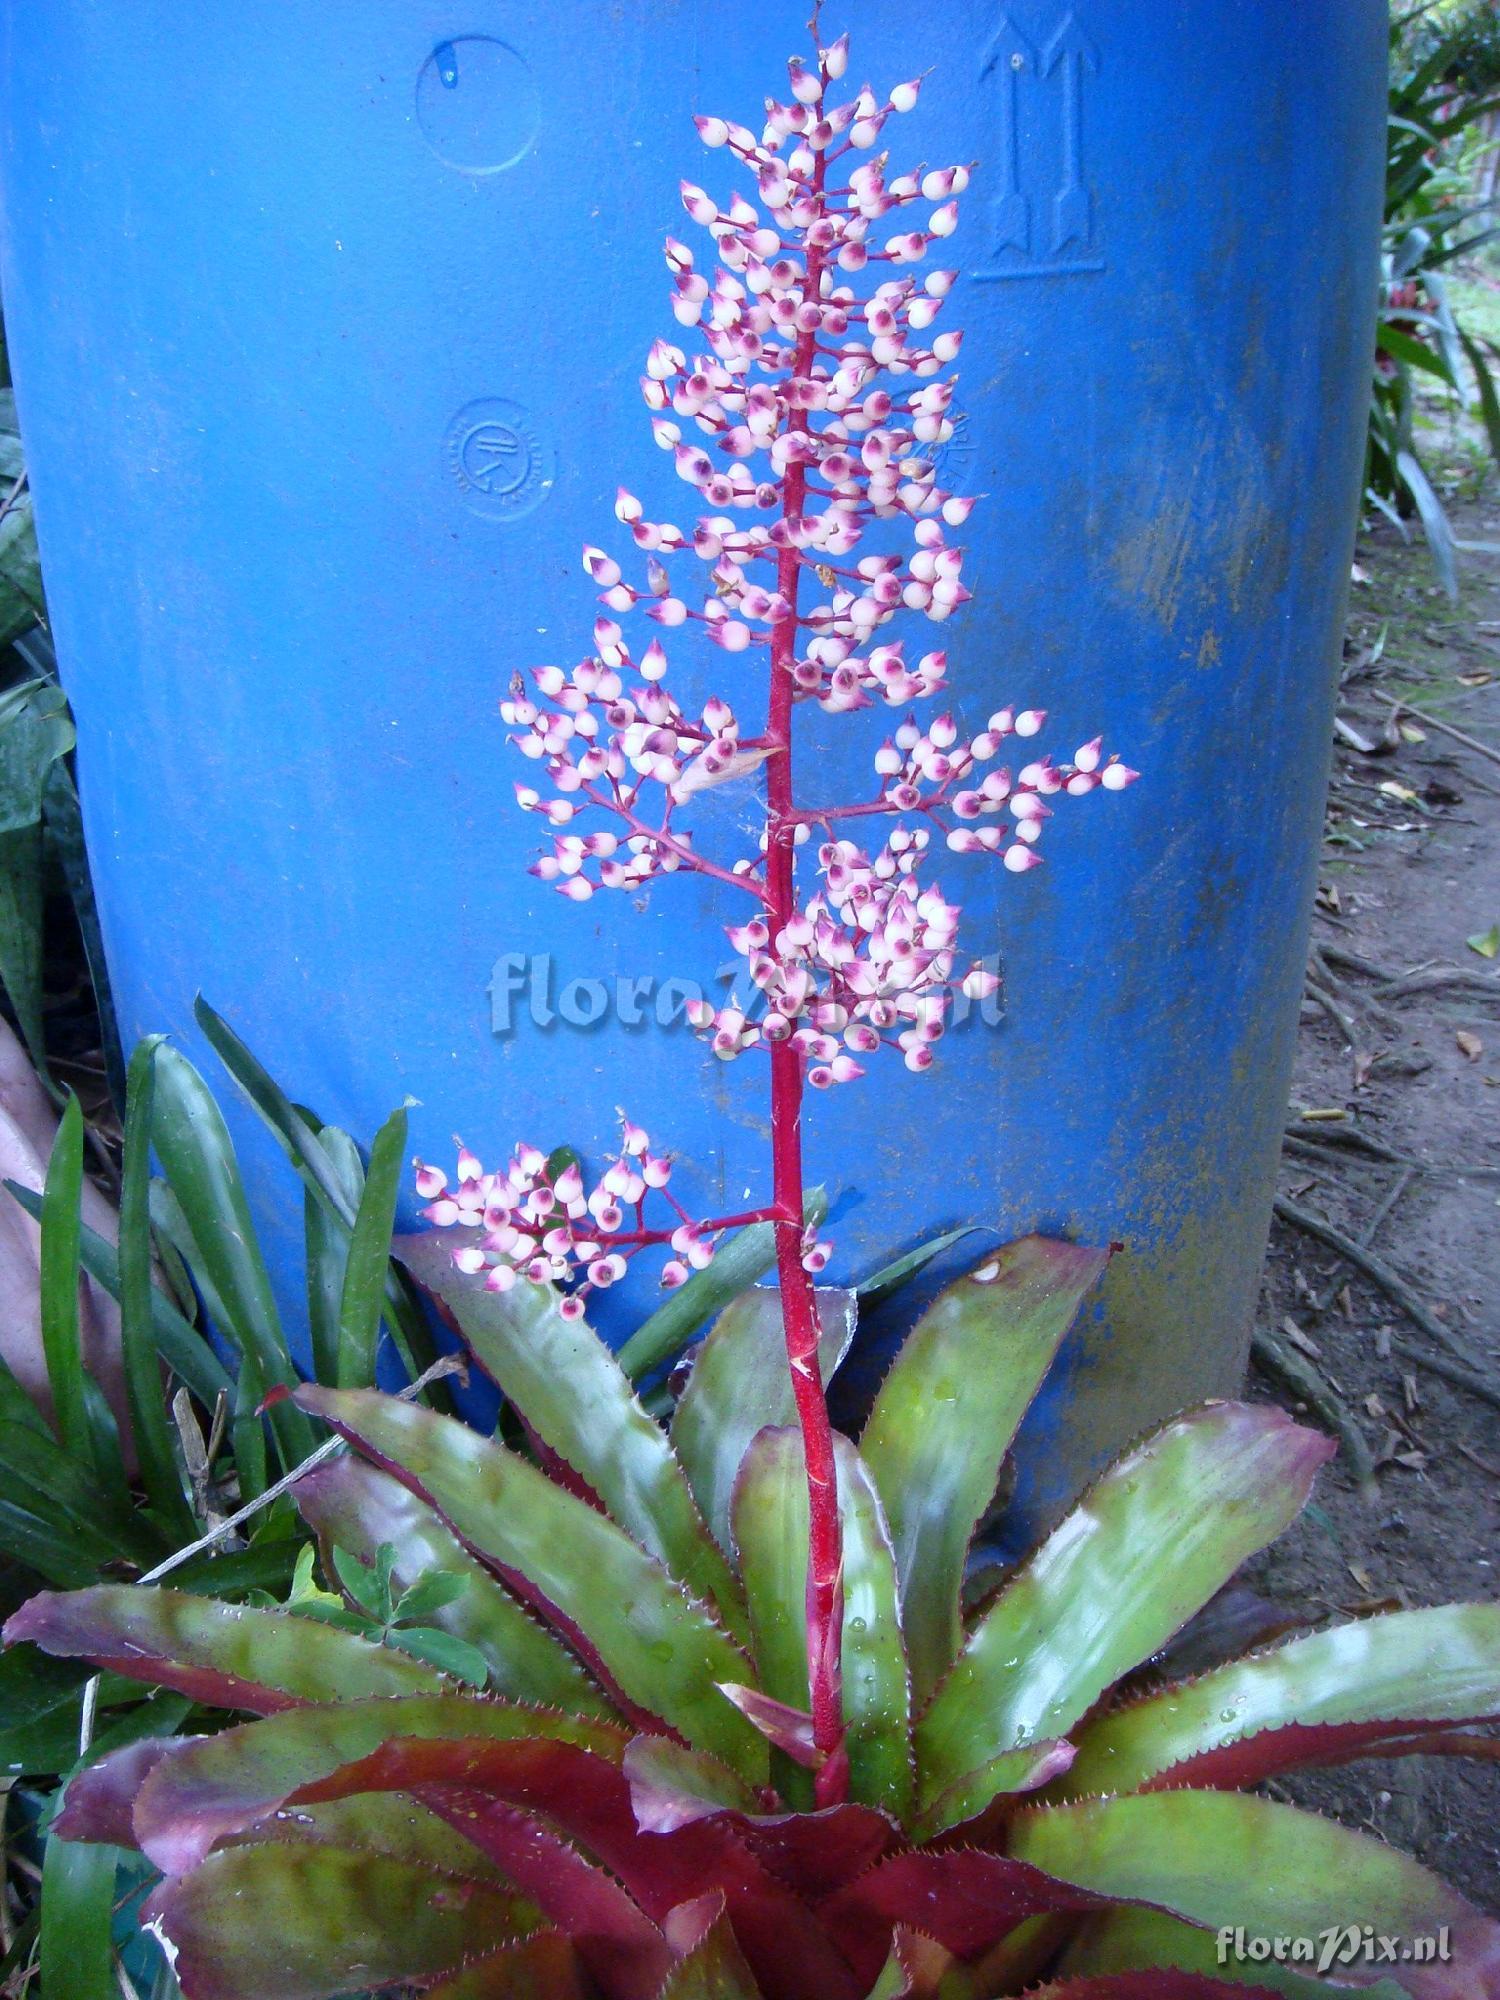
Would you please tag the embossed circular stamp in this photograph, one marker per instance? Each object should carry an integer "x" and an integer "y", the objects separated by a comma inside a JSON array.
[
  {"x": 477, "y": 104},
  {"x": 503, "y": 465}
]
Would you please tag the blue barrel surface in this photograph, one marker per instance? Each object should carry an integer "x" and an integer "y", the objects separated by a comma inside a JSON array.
[{"x": 326, "y": 320}]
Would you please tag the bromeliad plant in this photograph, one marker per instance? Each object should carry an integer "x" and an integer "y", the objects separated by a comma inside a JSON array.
[
  {"x": 627, "y": 1810},
  {"x": 742, "y": 1734}
]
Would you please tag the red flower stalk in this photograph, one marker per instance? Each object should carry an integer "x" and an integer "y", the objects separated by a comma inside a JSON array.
[{"x": 835, "y": 385}]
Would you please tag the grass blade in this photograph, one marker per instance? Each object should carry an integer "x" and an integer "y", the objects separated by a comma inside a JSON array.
[
  {"x": 362, "y": 1302},
  {"x": 1435, "y": 521},
  {"x": 77, "y": 1959},
  {"x": 179, "y": 1343},
  {"x": 197, "y": 1156},
  {"x": 61, "y": 1341},
  {"x": 310, "y": 1147},
  {"x": 326, "y": 1237},
  {"x": 143, "y": 1384}
]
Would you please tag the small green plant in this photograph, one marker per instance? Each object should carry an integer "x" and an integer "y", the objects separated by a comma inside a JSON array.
[{"x": 1432, "y": 222}]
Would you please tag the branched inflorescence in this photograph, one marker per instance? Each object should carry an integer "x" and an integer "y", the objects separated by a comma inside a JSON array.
[
  {"x": 536, "y": 1218},
  {"x": 808, "y": 425},
  {"x": 811, "y": 418}
]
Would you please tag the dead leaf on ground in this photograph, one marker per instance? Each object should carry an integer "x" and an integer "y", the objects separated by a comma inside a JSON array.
[{"x": 1299, "y": 1339}]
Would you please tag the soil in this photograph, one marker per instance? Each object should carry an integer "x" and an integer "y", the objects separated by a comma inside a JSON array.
[{"x": 1411, "y": 871}]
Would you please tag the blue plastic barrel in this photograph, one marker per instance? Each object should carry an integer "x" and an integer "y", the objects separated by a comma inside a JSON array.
[{"x": 326, "y": 320}]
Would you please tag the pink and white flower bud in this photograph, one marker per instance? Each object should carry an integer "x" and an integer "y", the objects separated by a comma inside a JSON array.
[
  {"x": 1115, "y": 776},
  {"x": 1029, "y": 721},
  {"x": 1019, "y": 859},
  {"x": 712, "y": 131},
  {"x": 698, "y": 204}
]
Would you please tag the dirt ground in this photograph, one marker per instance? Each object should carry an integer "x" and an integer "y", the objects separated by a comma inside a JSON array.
[{"x": 1394, "y": 1137}]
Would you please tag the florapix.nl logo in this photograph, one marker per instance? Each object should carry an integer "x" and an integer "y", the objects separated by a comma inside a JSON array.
[{"x": 531, "y": 989}]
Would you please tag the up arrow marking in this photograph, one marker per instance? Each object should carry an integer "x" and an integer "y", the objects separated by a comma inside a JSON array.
[
  {"x": 1013, "y": 56},
  {"x": 1072, "y": 211}
]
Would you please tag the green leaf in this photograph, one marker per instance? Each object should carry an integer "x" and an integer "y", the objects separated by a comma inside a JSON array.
[
  {"x": 316, "y": 1151},
  {"x": 877, "y": 1684},
  {"x": 45, "y": 1481},
  {"x": 714, "y": 1969},
  {"x": 1375, "y": 1679},
  {"x": 1486, "y": 943},
  {"x": 454, "y": 1657},
  {"x": 76, "y": 1958},
  {"x": 887, "y": 1281},
  {"x": 219, "y": 1785},
  {"x": 59, "y": 1282},
  {"x": 36, "y": 731},
  {"x": 179, "y": 1343},
  {"x": 544, "y": 1967},
  {"x": 768, "y": 1518},
  {"x": 672, "y": 1786},
  {"x": 744, "y": 1259},
  {"x": 23, "y": 857},
  {"x": 193, "y": 1145},
  {"x": 945, "y": 1417},
  {"x": 296, "y": 1923},
  {"x": 327, "y": 1241},
  {"x": 358, "y": 1507},
  {"x": 577, "y": 1399},
  {"x": 1435, "y": 522},
  {"x": 1405, "y": 347},
  {"x": 368, "y": 1584},
  {"x": 226, "y": 1655},
  {"x": 741, "y": 1382},
  {"x": 770, "y": 1526},
  {"x": 1145, "y": 1548},
  {"x": 661, "y": 1648},
  {"x": 368, "y": 1266},
  {"x": 1127, "y": 1940},
  {"x": 1484, "y": 383},
  {"x": 40, "y": 1701},
  {"x": 146, "y": 1401},
  {"x": 390, "y": 1823},
  {"x": 21, "y": 601},
  {"x": 1218, "y": 1859},
  {"x": 430, "y": 1594}
]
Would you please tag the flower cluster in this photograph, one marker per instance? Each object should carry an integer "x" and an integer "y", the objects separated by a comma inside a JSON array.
[
  {"x": 868, "y": 963},
  {"x": 537, "y": 1218},
  {"x": 813, "y": 402},
  {"x": 804, "y": 402}
]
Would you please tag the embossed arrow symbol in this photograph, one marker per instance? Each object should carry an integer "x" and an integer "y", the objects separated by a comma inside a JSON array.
[
  {"x": 1012, "y": 55},
  {"x": 1072, "y": 211}
]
